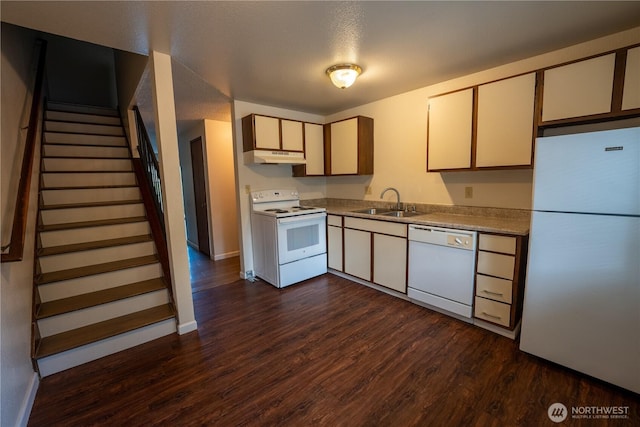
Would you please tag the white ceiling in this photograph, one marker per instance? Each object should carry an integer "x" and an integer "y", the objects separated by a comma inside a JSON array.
[{"x": 276, "y": 53}]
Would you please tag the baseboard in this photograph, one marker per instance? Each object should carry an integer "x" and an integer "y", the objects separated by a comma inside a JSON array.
[
  {"x": 27, "y": 402},
  {"x": 226, "y": 255},
  {"x": 184, "y": 328}
]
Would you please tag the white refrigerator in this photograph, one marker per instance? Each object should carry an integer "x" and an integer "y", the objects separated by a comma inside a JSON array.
[{"x": 582, "y": 294}]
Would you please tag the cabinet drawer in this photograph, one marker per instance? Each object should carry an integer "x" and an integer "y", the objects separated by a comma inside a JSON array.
[
  {"x": 492, "y": 311},
  {"x": 496, "y": 264},
  {"x": 334, "y": 220},
  {"x": 494, "y": 288},
  {"x": 383, "y": 227},
  {"x": 503, "y": 244}
]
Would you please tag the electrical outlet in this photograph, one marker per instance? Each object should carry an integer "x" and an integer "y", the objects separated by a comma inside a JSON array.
[
  {"x": 367, "y": 190},
  {"x": 468, "y": 192},
  {"x": 247, "y": 189}
]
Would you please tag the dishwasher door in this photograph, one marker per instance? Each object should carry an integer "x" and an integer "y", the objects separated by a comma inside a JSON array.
[{"x": 442, "y": 268}]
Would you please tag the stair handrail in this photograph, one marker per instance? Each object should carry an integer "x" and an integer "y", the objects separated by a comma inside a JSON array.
[
  {"x": 20, "y": 214},
  {"x": 150, "y": 165}
]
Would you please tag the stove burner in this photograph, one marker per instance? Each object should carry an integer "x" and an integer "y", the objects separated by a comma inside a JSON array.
[
  {"x": 302, "y": 208},
  {"x": 276, "y": 210}
]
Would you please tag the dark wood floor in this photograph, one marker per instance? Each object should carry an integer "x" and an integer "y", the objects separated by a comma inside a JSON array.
[
  {"x": 326, "y": 352},
  {"x": 206, "y": 274}
]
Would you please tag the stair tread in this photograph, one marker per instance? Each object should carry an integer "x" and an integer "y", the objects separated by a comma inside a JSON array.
[
  {"x": 90, "y": 270},
  {"x": 97, "y": 244},
  {"x": 91, "y": 204},
  {"x": 92, "y": 299},
  {"x": 85, "y": 187},
  {"x": 88, "y": 157},
  {"x": 69, "y": 144},
  {"x": 102, "y": 330},
  {"x": 97, "y": 223}
]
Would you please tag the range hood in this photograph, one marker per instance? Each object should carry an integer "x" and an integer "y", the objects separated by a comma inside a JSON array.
[{"x": 274, "y": 157}]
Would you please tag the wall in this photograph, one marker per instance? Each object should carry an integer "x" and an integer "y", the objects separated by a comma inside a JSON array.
[
  {"x": 184, "y": 148},
  {"x": 400, "y": 125},
  {"x": 80, "y": 72},
  {"x": 221, "y": 187},
  {"x": 263, "y": 177},
  {"x": 19, "y": 382},
  {"x": 129, "y": 69}
]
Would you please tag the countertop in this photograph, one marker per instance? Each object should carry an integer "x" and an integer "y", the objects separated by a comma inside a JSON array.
[{"x": 490, "y": 220}]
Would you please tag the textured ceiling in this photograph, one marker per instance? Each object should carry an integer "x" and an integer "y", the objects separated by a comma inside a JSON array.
[{"x": 276, "y": 53}]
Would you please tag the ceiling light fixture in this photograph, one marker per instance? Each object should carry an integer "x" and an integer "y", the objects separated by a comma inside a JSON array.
[{"x": 343, "y": 75}]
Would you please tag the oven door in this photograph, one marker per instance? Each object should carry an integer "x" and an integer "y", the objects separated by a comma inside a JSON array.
[{"x": 301, "y": 237}]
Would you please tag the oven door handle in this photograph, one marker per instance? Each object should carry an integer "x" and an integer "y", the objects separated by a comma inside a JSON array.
[{"x": 300, "y": 218}]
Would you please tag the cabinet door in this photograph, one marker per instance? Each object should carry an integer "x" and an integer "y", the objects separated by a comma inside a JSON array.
[
  {"x": 344, "y": 147},
  {"x": 357, "y": 253},
  {"x": 579, "y": 89},
  {"x": 505, "y": 122},
  {"x": 314, "y": 149},
  {"x": 267, "y": 132},
  {"x": 390, "y": 262},
  {"x": 334, "y": 247},
  {"x": 631, "y": 92},
  {"x": 450, "y": 127},
  {"x": 292, "y": 139}
]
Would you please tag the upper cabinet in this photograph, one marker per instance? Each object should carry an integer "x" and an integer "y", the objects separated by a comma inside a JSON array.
[
  {"x": 450, "y": 130},
  {"x": 505, "y": 122},
  {"x": 490, "y": 126},
  {"x": 271, "y": 133},
  {"x": 314, "y": 152},
  {"x": 631, "y": 93},
  {"x": 350, "y": 146},
  {"x": 579, "y": 89}
]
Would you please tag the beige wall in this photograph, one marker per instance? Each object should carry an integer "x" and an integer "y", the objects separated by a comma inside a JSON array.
[
  {"x": 184, "y": 146},
  {"x": 400, "y": 135},
  {"x": 221, "y": 187},
  {"x": 19, "y": 382}
]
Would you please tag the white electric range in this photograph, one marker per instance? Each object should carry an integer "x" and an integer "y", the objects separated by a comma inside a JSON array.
[{"x": 289, "y": 240}]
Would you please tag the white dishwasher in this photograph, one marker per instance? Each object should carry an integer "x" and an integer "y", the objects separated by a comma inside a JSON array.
[{"x": 441, "y": 269}]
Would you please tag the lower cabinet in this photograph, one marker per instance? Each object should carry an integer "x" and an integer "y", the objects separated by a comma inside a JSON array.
[
  {"x": 376, "y": 251},
  {"x": 500, "y": 279},
  {"x": 334, "y": 242}
]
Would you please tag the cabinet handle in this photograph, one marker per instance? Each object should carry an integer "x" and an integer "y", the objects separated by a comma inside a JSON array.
[
  {"x": 493, "y": 293},
  {"x": 491, "y": 315}
]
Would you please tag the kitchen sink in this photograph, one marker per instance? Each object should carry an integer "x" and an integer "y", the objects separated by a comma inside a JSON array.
[
  {"x": 401, "y": 214},
  {"x": 373, "y": 211}
]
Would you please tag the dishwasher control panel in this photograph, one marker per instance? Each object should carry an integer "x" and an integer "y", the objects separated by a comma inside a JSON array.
[{"x": 460, "y": 239}]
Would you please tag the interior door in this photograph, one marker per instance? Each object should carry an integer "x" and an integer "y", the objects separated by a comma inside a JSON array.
[{"x": 200, "y": 196}]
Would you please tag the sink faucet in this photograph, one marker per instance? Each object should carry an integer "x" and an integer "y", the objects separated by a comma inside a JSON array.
[{"x": 399, "y": 205}]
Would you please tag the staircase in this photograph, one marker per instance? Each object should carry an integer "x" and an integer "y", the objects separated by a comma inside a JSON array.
[{"x": 99, "y": 284}]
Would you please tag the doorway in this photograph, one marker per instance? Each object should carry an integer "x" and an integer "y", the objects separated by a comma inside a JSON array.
[{"x": 200, "y": 196}]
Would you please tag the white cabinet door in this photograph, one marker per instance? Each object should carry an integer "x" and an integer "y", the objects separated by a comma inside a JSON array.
[
  {"x": 267, "y": 132},
  {"x": 579, "y": 89},
  {"x": 631, "y": 92},
  {"x": 505, "y": 122},
  {"x": 390, "y": 262},
  {"x": 334, "y": 247},
  {"x": 357, "y": 253},
  {"x": 292, "y": 138},
  {"x": 344, "y": 147},
  {"x": 314, "y": 149},
  {"x": 449, "y": 135}
]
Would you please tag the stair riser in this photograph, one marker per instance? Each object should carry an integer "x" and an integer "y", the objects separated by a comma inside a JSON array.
[
  {"x": 86, "y": 165},
  {"x": 65, "y": 216},
  {"x": 53, "y": 150},
  {"x": 81, "y": 118},
  {"x": 98, "y": 282},
  {"x": 83, "y": 128},
  {"x": 95, "y": 256},
  {"x": 69, "y": 359},
  {"x": 61, "y": 197},
  {"x": 70, "y": 180},
  {"x": 79, "y": 318},
  {"x": 79, "y": 139},
  {"x": 83, "y": 109},
  {"x": 92, "y": 234}
]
